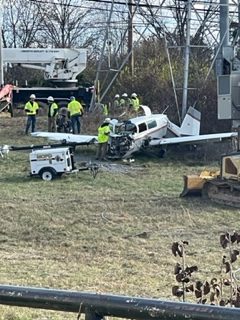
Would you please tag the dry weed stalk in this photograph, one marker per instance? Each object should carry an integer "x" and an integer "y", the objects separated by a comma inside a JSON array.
[
  {"x": 182, "y": 271},
  {"x": 215, "y": 290}
]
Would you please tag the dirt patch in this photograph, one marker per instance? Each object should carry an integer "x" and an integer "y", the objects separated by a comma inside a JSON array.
[
  {"x": 110, "y": 166},
  {"x": 121, "y": 168}
]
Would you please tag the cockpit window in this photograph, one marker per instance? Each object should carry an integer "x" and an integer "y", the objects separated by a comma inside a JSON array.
[
  {"x": 125, "y": 127},
  {"x": 152, "y": 124},
  {"x": 130, "y": 127},
  {"x": 142, "y": 127},
  {"x": 119, "y": 127}
]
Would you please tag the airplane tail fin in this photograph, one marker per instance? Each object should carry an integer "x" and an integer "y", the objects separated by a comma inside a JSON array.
[
  {"x": 147, "y": 111},
  {"x": 191, "y": 123}
]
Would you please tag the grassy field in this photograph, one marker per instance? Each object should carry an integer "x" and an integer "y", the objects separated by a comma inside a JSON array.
[{"x": 80, "y": 233}]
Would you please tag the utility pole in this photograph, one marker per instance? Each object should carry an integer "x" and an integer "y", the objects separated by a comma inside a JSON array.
[
  {"x": 130, "y": 37},
  {"x": 95, "y": 97},
  {"x": 1, "y": 43},
  {"x": 238, "y": 21},
  {"x": 186, "y": 60},
  {"x": 224, "y": 23}
]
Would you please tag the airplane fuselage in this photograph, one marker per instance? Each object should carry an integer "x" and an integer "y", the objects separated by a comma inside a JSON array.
[
  {"x": 130, "y": 136},
  {"x": 154, "y": 126},
  {"x": 157, "y": 130}
]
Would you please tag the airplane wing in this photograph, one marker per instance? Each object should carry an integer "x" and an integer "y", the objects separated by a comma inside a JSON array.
[
  {"x": 215, "y": 137},
  {"x": 66, "y": 137}
]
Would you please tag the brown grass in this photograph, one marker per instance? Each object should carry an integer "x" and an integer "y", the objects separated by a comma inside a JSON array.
[{"x": 78, "y": 233}]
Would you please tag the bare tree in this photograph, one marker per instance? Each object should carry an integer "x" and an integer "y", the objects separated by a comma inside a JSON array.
[
  {"x": 67, "y": 24},
  {"x": 168, "y": 19},
  {"x": 21, "y": 24},
  {"x": 62, "y": 24}
]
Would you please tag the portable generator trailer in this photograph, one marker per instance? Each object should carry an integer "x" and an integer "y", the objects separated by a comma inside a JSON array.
[{"x": 52, "y": 161}]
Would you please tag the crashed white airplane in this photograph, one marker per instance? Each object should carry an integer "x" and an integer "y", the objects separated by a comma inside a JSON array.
[{"x": 130, "y": 136}]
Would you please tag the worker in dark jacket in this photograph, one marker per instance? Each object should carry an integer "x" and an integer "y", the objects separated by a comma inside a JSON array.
[
  {"x": 103, "y": 138},
  {"x": 31, "y": 109},
  {"x": 52, "y": 114}
]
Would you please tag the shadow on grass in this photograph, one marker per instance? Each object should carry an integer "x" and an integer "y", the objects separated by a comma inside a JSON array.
[
  {"x": 20, "y": 179},
  {"x": 185, "y": 157},
  {"x": 15, "y": 179},
  {"x": 205, "y": 204}
]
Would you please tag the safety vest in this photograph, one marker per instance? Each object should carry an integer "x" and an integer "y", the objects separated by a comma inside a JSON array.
[
  {"x": 122, "y": 102},
  {"x": 75, "y": 108},
  {"x": 125, "y": 102},
  {"x": 116, "y": 103},
  {"x": 32, "y": 108},
  {"x": 105, "y": 110},
  {"x": 103, "y": 133},
  {"x": 135, "y": 103},
  {"x": 52, "y": 110}
]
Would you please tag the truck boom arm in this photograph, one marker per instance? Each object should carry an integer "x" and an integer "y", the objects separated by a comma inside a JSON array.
[{"x": 58, "y": 64}]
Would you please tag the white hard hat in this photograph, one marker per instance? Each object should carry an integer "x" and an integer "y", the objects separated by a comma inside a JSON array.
[
  {"x": 107, "y": 120},
  {"x": 117, "y": 96},
  {"x": 32, "y": 96},
  {"x": 50, "y": 98},
  {"x": 134, "y": 95},
  {"x": 124, "y": 95}
]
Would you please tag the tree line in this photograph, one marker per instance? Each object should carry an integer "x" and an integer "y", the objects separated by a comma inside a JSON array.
[{"x": 78, "y": 23}]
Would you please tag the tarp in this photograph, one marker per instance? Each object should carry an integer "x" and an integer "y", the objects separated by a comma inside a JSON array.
[{"x": 6, "y": 92}]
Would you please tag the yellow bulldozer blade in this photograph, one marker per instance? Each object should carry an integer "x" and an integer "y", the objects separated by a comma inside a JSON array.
[{"x": 193, "y": 184}]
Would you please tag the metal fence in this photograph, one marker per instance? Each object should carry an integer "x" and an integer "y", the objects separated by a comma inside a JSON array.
[{"x": 96, "y": 306}]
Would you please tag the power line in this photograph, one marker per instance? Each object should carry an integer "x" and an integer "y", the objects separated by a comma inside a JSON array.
[
  {"x": 79, "y": 6},
  {"x": 98, "y": 1},
  {"x": 168, "y": 7},
  {"x": 160, "y": 16},
  {"x": 140, "y": 5},
  {"x": 212, "y": 4}
]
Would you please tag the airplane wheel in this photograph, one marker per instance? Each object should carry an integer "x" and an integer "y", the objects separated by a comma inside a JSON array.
[
  {"x": 162, "y": 153},
  {"x": 47, "y": 174}
]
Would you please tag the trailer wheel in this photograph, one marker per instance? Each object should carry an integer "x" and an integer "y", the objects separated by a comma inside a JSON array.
[{"x": 47, "y": 174}]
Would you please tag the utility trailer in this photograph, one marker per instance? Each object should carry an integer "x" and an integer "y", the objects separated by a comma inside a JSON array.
[{"x": 50, "y": 163}]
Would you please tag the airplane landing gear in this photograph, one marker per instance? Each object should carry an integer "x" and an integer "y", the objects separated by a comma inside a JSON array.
[{"x": 161, "y": 153}]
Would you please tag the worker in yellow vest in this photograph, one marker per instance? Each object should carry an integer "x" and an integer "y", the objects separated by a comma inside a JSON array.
[
  {"x": 31, "y": 109},
  {"x": 103, "y": 138},
  {"x": 125, "y": 102},
  {"x": 116, "y": 102},
  {"x": 75, "y": 110},
  {"x": 52, "y": 114},
  {"x": 105, "y": 109},
  {"x": 135, "y": 102}
]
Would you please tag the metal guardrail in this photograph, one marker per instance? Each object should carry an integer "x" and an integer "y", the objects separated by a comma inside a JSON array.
[{"x": 96, "y": 305}]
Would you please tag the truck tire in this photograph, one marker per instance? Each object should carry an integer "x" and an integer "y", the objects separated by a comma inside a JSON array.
[
  {"x": 10, "y": 110},
  {"x": 48, "y": 174}
]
